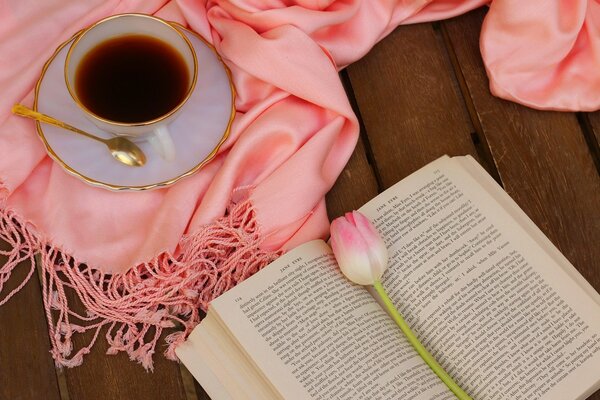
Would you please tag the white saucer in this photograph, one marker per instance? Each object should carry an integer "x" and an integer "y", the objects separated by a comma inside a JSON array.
[{"x": 198, "y": 132}]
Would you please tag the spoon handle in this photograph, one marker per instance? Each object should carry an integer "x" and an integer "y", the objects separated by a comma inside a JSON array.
[{"x": 23, "y": 111}]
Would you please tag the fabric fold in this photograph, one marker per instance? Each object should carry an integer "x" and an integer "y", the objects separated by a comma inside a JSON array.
[
  {"x": 545, "y": 60},
  {"x": 136, "y": 306}
]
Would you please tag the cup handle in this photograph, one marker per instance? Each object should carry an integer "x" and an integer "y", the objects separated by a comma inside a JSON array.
[{"x": 162, "y": 143}]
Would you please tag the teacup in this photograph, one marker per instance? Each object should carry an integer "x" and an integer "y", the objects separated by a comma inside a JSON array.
[{"x": 114, "y": 72}]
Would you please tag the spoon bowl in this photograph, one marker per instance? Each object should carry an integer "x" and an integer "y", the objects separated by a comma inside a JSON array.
[
  {"x": 125, "y": 151},
  {"x": 122, "y": 149}
]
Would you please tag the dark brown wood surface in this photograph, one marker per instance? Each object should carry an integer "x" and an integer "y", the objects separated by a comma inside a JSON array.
[
  {"x": 26, "y": 366},
  {"x": 116, "y": 377},
  {"x": 420, "y": 93},
  {"x": 404, "y": 131}
]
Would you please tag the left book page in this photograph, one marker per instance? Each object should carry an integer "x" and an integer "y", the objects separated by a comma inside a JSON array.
[{"x": 313, "y": 334}]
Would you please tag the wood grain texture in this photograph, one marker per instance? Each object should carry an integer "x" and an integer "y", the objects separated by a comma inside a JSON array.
[
  {"x": 26, "y": 367},
  {"x": 410, "y": 103},
  {"x": 102, "y": 377},
  {"x": 541, "y": 156}
]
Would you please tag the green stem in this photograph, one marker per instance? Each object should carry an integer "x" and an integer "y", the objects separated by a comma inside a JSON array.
[{"x": 414, "y": 341}]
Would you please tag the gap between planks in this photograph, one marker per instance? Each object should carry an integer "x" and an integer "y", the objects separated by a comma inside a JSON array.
[
  {"x": 478, "y": 137},
  {"x": 61, "y": 380},
  {"x": 347, "y": 83},
  {"x": 590, "y": 138}
]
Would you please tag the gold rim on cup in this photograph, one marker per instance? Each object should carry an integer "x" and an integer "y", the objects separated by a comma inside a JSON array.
[
  {"x": 161, "y": 184},
  {"x": 143, "y": 123}
]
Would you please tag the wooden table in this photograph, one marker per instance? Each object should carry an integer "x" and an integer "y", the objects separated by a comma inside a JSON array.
[{"x": 420, "y": 93}]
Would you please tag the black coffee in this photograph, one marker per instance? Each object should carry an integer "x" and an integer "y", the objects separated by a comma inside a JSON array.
[{"x": 133, "y": 78}]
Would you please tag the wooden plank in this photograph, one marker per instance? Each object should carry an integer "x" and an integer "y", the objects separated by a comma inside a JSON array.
[
  {"x": 115, "y": 377},
  {"x": 355, "y": 186},
  {"x": 103, "y": 376},
  {"x": 541, "y": 156},
  {"x": 410, "y": 102},
  {"x": 26, "y": 367}
]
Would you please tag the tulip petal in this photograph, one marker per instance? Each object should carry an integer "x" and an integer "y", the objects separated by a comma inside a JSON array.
[
  {"x": 350, "y": 251},
  {"x": 347, "y": 235},
  {"x": 368, "y": 232},
  {"x": 378, "y": 254},
  {"x": 358, "y": 248}
]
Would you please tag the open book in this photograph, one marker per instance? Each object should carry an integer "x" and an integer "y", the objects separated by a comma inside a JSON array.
[{"x": 485, "y": 291}]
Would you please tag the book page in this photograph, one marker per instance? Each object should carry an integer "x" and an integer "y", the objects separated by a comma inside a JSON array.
[
  {"x": 219, "y": 365},
  {"x": 200, "y": 362},
  {"x": 490, "y": 304},
  {"x": 313, "y": 334}
]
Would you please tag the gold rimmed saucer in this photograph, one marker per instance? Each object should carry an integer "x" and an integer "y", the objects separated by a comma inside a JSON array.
[{"x": 198, "y": 132}]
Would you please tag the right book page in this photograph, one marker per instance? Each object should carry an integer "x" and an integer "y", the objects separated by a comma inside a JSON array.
[{"x": 499, "y": 308}]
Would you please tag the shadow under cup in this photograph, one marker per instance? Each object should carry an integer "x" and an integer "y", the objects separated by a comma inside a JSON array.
[{"x": 99, "y": 41}]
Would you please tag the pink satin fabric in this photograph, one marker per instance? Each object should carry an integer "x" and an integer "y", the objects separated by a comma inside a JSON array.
[
  {"x": 293, "y": 133},
  {"x": 544, "y": 53},
  {"x": 294, "y": 129}
]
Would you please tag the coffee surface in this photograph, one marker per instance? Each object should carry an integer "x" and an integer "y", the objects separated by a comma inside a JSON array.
[{"x": 132, "y": 79}]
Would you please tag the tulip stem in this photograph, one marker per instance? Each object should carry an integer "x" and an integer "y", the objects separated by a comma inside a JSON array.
[{"x": 414, "y": 341}]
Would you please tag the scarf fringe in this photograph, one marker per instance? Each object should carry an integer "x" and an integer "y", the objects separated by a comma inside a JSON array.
[{"x": 138, "y": 305}]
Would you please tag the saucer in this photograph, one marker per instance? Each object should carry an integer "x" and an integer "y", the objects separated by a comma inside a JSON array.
[{"x": 201, "y": 127}]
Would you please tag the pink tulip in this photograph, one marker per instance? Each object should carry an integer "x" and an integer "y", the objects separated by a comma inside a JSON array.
[
  {"x": 358, "y": 248},
  {"x": 363, "y": 257}
]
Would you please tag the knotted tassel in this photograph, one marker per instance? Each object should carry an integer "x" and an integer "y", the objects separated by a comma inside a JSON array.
[{"x": 136, "y": 306}]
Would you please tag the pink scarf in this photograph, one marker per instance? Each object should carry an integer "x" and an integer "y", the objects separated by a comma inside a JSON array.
[{"x": 153, "y": 259}]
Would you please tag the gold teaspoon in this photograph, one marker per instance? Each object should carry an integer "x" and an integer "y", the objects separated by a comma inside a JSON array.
[{"x": 122, "y": 149}]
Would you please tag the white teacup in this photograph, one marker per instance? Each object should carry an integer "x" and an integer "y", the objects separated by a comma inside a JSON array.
[{"x": 155, "y": 130}]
